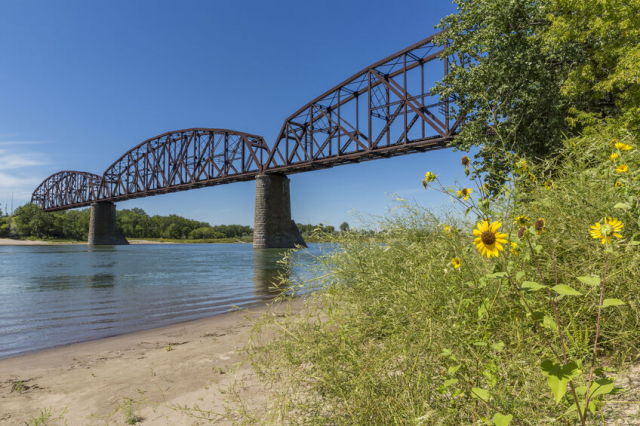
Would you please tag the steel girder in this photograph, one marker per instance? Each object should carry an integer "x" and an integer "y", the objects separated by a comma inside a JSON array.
[
  {"x": 184, "y": 159},
  {"x": 67, "y": 189},
  {"x": 384, "y": 110}
]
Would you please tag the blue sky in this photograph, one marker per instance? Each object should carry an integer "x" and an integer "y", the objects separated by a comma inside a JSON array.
[{"x": 82, "y": 82}]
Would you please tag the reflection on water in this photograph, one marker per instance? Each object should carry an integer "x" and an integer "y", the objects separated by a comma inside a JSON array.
[
  {"x": 55, "y": 295},
  {"x": 268, "y": 272}
]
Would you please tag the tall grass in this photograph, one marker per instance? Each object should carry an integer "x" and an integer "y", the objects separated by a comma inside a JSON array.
[{"x": 398, "y": 335}]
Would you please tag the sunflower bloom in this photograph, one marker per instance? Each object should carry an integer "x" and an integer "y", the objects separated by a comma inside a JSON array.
[
  {"x": 622, "y": 168},
  {"x": 514, "y": 249},
  {"x": 464, "y": 193},
  {"x": 614, "y": 156},
  {"x": 610, "y": 228},
  {"x": 464, "y": 161},
  {"x": 488, "y": 240},
  {"x": 617, "y": 184},
  {"x": 446, "y": 228},
  {"x": 623, "y": 146},
  {"x": 522, "y": 220},
  {"x": 429, "y": 177},
  {"x": 456, "y": 262},
  {"x": 539, "y": 225},
  {"x": 521, "y": 166}
]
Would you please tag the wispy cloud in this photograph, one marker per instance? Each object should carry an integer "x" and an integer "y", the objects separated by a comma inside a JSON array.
[
  {"x": 13, "y": 160},
  {"x": 21, "y": 170},
  {"x": 18, "y": 143}
]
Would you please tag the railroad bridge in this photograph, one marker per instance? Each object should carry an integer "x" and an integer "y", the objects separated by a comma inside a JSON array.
[{"x": 384, "y": 110}]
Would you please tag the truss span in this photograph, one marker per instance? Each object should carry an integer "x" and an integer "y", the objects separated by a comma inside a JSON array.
[
  {"x": 384, "y": 110},
  {"x": 67, "y": 189}
]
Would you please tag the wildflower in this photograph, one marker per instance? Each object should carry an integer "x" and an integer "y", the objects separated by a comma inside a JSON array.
[
  {"x": 617, "y": 184},
  {"x": 429, "y": 177},
  {"x": 522, "y": 220},
  {"x": 548, "y": 185},
  {"x": 622, "y": 168},
  {"x": 539, "y": 225},
  {"x": 614, "y": 156},
  {"x": 446, "y": 228},
  {"x": 488, "y": 240},
  {"x": 611, "y": 227},
  {"x": 521, "y": 166},
  {"x": 623, "y": 146},
  {"x": 464, "y": 193},
  {"x": 464, "y": 161},
  {"x": 522, "y": 232},
  {"x": 456, "y": 262},
  {"x": 532, "y": 178},
  {"x": 514, "y": 249}
]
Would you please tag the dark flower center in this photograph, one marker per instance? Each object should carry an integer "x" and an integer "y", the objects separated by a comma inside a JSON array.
[
  {"x": 488, "y": 238},
  {"x": 539, "y": 225},
  {"x": 465, "y": 161}
]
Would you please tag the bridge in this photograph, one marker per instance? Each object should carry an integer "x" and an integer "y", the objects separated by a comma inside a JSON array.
[{"x": 382, "y": 111}]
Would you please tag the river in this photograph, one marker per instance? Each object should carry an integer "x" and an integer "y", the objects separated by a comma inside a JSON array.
[{"x": 60, "y": 294}]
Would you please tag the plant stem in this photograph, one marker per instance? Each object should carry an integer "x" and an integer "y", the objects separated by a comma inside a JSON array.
[{"x": 595, "y": 344}]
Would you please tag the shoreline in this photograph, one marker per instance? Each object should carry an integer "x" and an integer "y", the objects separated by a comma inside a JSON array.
[{"x": 184, "y": 364}]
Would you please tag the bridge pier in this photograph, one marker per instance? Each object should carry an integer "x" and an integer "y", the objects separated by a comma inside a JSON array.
[
  {"x": 273, "y": 227},
  {"x": 102, "y": 226}
]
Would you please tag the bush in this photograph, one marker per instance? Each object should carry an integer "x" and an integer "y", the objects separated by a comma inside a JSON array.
[{"x": 415, "y": 326}]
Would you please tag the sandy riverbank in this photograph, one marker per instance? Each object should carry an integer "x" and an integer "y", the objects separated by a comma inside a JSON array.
[{"x": 185, "y": 364}]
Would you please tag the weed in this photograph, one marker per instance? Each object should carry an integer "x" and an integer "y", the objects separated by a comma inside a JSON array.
[{"x": 47, "y": 418}]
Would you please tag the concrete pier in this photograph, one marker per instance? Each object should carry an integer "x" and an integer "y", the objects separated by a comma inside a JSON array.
[
  {"x": 102, "y": 226},
  {"x": 273, "y": 227}
]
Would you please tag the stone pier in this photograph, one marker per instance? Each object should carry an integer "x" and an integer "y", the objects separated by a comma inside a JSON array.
[
  {"x": 102, "y": 226},
  {"x": 273, "y": 227}
]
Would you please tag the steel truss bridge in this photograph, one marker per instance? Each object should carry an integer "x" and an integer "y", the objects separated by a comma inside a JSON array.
[{"x": 384, "y": 110}]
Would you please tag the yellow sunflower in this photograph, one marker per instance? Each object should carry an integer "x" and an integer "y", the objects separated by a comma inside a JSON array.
[
  {"x": 456, "y": 262},
  {"x": 622, "y": 168},
  {"x": 464, "y": 193},
  {"x": 464, "y": 161},
  {"x": 488, "y": 240},
  {"x": 614, "y": 156},
  {"x": 611, "y": 228},
  {"x": 522, "y": 220},
  {"x": 538, "y": 225},
  {"x": 521, "y": 166},
  {"x": 618, "y": 184},
  {"x": 446, "y": 228},
  {"x": 514, "y": 249},
  {"x": 623, "y": 146},
  {"x": 429, "y": 177}
]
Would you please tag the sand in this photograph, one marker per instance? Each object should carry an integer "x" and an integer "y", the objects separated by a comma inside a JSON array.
[{"x": 186, "y": 364}]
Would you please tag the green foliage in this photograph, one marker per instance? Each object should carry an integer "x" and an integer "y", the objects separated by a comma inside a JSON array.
[
  {"x": 607, "y": 31},
  {"x": 524, "y": 74},
  {"x": 400, "y": 335},
  {"x": 31, "y": 221},
  {"x": 48, "y": 418}
]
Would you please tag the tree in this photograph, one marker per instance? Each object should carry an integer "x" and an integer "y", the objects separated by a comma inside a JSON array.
[
  {"x": 608, "y": 32},
  {"x": 344, "y": 227},
  {"x": 507, "y": 80}
]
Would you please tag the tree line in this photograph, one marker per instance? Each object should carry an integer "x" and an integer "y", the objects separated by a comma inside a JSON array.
[{"x": 31, "y": 222}]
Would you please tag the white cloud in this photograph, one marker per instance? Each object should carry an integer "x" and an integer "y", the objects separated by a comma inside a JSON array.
[
  {"x": 21, "y": 171},
  {"x": 11, "y": 160}
]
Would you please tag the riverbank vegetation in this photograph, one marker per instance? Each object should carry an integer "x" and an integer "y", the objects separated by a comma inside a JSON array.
[{"x": 518, "y": 307}]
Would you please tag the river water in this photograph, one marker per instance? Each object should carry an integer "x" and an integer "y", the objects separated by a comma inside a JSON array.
[{"x": 61, "y": 294}]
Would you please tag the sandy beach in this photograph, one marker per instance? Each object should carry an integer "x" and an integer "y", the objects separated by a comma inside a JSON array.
[{"x": 153, "y": 372}]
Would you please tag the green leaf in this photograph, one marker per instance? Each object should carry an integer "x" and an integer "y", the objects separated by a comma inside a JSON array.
[
  {"x": 558, "y": 376},
  {"x": 601, "y": 387},
  {"x": 480, "y": 393},
  {"x": 497, "y": 275},
  {"x": 450, "y": 382},
  {"x": 501, "y": 419},
  {"x": 531, "y": 286},
  {"x": 498, "y": 346},
  {"x": 623, "y": 206},
  {"x": 519, "y": 275},
  {"x": 612, "y": 302},
  {"x": 591, "y": 280},
  {"x": 452, "y": 370},
  {"x": 566, "y": 290}
]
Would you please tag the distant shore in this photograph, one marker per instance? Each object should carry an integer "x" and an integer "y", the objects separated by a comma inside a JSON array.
[
  {"x": 187, "y": 364},
  {"x": 12, "y": 242}
]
